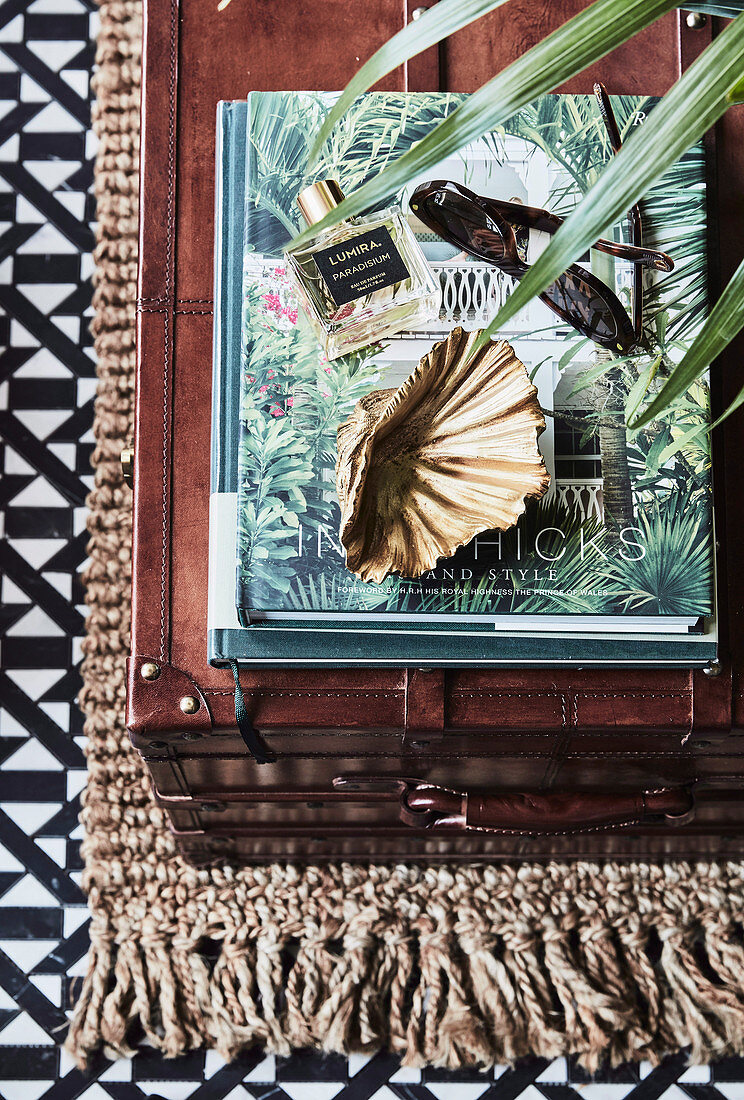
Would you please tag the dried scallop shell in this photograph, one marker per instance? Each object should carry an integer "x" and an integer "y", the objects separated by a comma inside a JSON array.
[{"x": 423, "y": 469}]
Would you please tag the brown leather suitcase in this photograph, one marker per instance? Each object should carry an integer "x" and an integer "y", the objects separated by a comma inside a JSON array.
[{"x": 390, "y": 763}]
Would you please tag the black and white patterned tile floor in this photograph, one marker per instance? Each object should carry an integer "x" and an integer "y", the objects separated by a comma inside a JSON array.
[{"x": 47, "y": 387}]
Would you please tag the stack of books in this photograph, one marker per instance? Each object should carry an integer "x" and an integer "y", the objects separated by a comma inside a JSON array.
[{"x": 614, "y": 565}]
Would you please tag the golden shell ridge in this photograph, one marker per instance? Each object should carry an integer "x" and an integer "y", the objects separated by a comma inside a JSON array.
[{"x": 423, "y": 469}]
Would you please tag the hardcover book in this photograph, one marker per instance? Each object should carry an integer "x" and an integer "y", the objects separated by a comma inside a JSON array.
[{"x": 613, "y": 564}]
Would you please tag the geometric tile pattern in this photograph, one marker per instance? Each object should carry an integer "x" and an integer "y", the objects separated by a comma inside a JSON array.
[
  {"x": 47, "y": 387},
  {"x": 46, "y": 390}
]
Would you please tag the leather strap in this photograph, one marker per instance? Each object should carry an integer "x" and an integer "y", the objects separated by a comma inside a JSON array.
[
  {"x": 423, "y": 73},
  {"x": 424, "y": 705},
  {"x": 251, "y": 737}
]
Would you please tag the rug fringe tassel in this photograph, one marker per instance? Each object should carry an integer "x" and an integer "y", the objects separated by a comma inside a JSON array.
[{"x": 437, "y": 991}]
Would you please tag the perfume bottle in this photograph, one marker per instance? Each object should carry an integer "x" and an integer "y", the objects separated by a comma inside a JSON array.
[{"x": 362, "y": 280}]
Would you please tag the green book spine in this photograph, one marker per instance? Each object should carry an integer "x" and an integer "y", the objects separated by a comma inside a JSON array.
[{"x": 228, "y": 276}]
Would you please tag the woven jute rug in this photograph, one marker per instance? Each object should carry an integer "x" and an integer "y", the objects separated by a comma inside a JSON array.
[{"x": 445, "y": 965}]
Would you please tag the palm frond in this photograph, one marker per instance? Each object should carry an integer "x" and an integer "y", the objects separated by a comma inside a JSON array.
[
  {"x": 695, "y": 102},
  {"x": 434, "y": 25},
  {"x": 591, "y": 34},
  {"x": 674, "y": 576},
  {"x": 725, "y": 321}
]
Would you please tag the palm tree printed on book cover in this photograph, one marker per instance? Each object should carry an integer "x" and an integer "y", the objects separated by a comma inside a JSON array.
[{"x": 626, "y": 528}]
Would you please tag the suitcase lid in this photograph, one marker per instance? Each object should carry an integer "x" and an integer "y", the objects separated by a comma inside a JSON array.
[{"x": 174, "y": 348}]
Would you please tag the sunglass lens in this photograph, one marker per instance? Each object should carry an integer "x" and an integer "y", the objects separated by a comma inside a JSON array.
[
  {"x": 465, "y": 224},
  {"x": 583, "y": 307}
]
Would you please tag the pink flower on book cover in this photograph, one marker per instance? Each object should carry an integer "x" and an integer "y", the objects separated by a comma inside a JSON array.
[{"x": 273, "y": 301}]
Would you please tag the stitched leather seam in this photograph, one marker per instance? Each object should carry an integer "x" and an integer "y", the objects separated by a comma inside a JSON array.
[
  {"x": 681, "y": 756},
  {"x": 167, "y": 309},
  {"x": 681, "y": 697},
  {"x": 457, "y": 695},
  {"x": 369, "y": 735},
  {"x": 577, "y": 694},
  {"x": 178, "y": 301},
  {"x": 361, "y": 756},
  {"x": 470, "y": 695},
  {"x": 400, "y": 693},
  {"x": 397, "y": 733},
  {"x": 173, "y": 40},
  {"x": 164, "y": 459},
  {"x": 669, "y": 732},
  {"x": 259, "y": 694},
  {"x": 537, "y": 833},
  {"x": 634, "y": 695}
]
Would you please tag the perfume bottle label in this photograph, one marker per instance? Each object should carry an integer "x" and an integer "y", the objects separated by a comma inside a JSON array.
[{"x": 361, "y": 265}]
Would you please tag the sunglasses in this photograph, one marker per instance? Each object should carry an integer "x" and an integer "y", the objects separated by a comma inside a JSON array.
[{"x": 497, "y": 232}]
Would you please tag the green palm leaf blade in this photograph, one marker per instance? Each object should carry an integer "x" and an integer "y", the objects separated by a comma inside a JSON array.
[
  {"x": 439, "y": 22},
  {"x": 695, "y": 102},
  {"x": 591, "y": 34},
  {"x": 725, "y": 321},
  {"x": 697, "y": 433}
]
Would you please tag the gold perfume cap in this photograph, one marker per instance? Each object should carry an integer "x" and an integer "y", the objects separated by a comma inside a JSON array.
[{"x": 319, "y": 199}]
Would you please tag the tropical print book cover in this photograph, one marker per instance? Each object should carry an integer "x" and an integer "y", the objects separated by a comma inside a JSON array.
[{"x": 626, "y": 529}]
